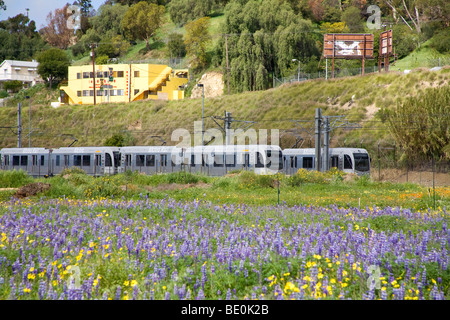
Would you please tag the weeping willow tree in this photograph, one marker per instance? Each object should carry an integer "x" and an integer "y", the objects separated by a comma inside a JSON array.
[{"x": 421, "y": 125}]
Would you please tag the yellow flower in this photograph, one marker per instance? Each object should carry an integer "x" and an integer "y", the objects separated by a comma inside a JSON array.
[
  {"x": 126, "y": 283},
  {"x": 333, "y": 281},
  {"x": 133, "y": 283}
]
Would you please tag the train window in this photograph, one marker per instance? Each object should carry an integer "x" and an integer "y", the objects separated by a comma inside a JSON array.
[
  {"x": 218, "y": 160},
  {"x": 77, "y": 160},
  {"x": 307, "y": 162},
  {"x": 66, "y": 160},
  {"x": 108, "y": 160},
  {"x": 86, "y": 161},
  {"x": 150, "y": 160},
  {"x": 42, "y": 160},
  {"x": 192, "y": 160},
  {"x": 6, "y": 160},
  {"x": 34, "y": 160},
  {"x": 334, "y": 161},
  {"x": 140, "y": 160},
  {"x": 58, "y": 161},
  {"x": 23, "y": 160},
  {"x": 230, "y": 160},
  {"x": 16, "y": 160},
  {"x": 98, "y": 160},
  {"x": 259, "y": 161},
  {"x": 347, "y": 162}
]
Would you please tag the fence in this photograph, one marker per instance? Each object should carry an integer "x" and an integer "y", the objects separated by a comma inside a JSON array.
[
  {"x": 338, "y": 73},
  {"x": 388, "y": 163}
]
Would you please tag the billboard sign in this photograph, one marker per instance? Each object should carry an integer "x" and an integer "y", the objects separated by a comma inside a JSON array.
[
  {"x": 386, "y": 43},
  {"x": 348, "y": 46}
]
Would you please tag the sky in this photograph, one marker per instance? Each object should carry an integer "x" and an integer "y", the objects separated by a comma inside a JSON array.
[{"x": 39, "y": 9}]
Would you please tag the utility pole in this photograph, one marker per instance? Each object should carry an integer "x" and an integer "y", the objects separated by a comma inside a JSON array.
[
  {"x": 93, "y": 68},
  {"x": 318, "y": 121},
  {"x": 201, "y": 85},
  {"x": 326, "y": 143},
  {"x": 19, "y": 125},
  {"x": 228, "y": 68},
  {"x": 29, "y": 122},
  {"x": 227, "y": 128}
]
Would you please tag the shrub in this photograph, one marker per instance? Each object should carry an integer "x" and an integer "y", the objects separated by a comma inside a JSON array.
[
  {"x": 441, "y": 41},
  {"x": 14, "y": 179}
]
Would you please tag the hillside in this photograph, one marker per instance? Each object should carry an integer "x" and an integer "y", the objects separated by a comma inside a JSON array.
[{"x": 358, "y": 98}]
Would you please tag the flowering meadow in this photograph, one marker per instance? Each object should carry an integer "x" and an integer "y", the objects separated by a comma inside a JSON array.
[{"x": 117, "y": 249}]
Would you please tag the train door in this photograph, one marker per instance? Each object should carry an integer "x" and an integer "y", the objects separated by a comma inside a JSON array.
[
  {"x": 163, "y": 161},
  {"x": 38, "y": 165},
  {"x": 335, "y": 162},
  {"x": 5, "y": 162},
  {"x": 98, "y": 164}
]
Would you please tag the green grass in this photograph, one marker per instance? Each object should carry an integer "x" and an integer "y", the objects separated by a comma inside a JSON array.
[
  {"x": 319, "y": 189},
  {"x": 424, "y": 56}
]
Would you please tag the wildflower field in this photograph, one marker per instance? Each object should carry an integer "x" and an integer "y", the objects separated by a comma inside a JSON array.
[{"x": 200, "y": 249}]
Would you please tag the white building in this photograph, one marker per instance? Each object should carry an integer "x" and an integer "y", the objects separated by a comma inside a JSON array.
[{"x": 25, "y": 71}]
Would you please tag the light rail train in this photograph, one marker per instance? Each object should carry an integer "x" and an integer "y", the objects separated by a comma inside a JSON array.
[{"x": 216, "y": 160}]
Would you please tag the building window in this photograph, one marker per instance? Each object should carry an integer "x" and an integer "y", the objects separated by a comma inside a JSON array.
[
  {"x": 79, "y": 75},
  {"x": 136, "y": 74},
  {"x": 85, "y": 75},
  {"x": 99, "y": 74},
  {"x": 91, "y": 93},
  {"x": 78, "y": 93},
  {"x": 112, "y": 93},
  {"x": 120, "y": 92},
  {"x": 99, "y": 93},
  {"x": 91, "y": 75},
  {"x": 136, "y": 91},
  {"x": 119, "y": 74}
]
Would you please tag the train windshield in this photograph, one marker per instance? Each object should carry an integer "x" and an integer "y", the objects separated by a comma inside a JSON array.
[{"x": 361, "y": 161}]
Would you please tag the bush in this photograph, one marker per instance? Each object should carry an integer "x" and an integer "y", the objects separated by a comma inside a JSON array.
[
  {"x": 248, "y": 179},
  {"x": 3, "y": 94},
  {"x": 14, "y": 179},
  {"x": 441, "y": 41}
]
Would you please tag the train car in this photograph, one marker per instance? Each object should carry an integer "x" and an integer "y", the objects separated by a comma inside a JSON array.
[
  {"x": 218, "y": 160},
  {"x": 34, "y": 161},
  {"x": 150, "y": 160},
  {"x": 350, "y": 160},
  {"x": 95, "y": 161}
]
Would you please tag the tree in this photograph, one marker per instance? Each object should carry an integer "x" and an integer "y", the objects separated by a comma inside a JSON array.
[
  {"x": 109, "y": 18},
  {"x": 197, "y": 37},
  {"x": 53, "y": 65},
  {"x": 2, "y": 5},
  {"x": 353, "y": 20},
  {"x": 56, "y": 33},
  {"x": 19, "y": 38},
  {"x": 142, "y": 20},
  {"x": 176, "y": 45},
  {"x": 421, "y": 124},
  {"x": 13, "y": 85}
]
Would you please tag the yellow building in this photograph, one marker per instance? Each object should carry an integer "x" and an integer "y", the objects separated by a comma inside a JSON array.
[{"x": 129, "y": 82}]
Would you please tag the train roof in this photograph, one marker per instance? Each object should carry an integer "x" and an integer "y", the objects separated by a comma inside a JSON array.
[
  {"x": 148, "y": 149},
  {"x": 72, "y": 150},
  {"x": 24, "y": 150},
  {"x": 238, "y": 148},
  {"x": 312, "y": 151}
]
